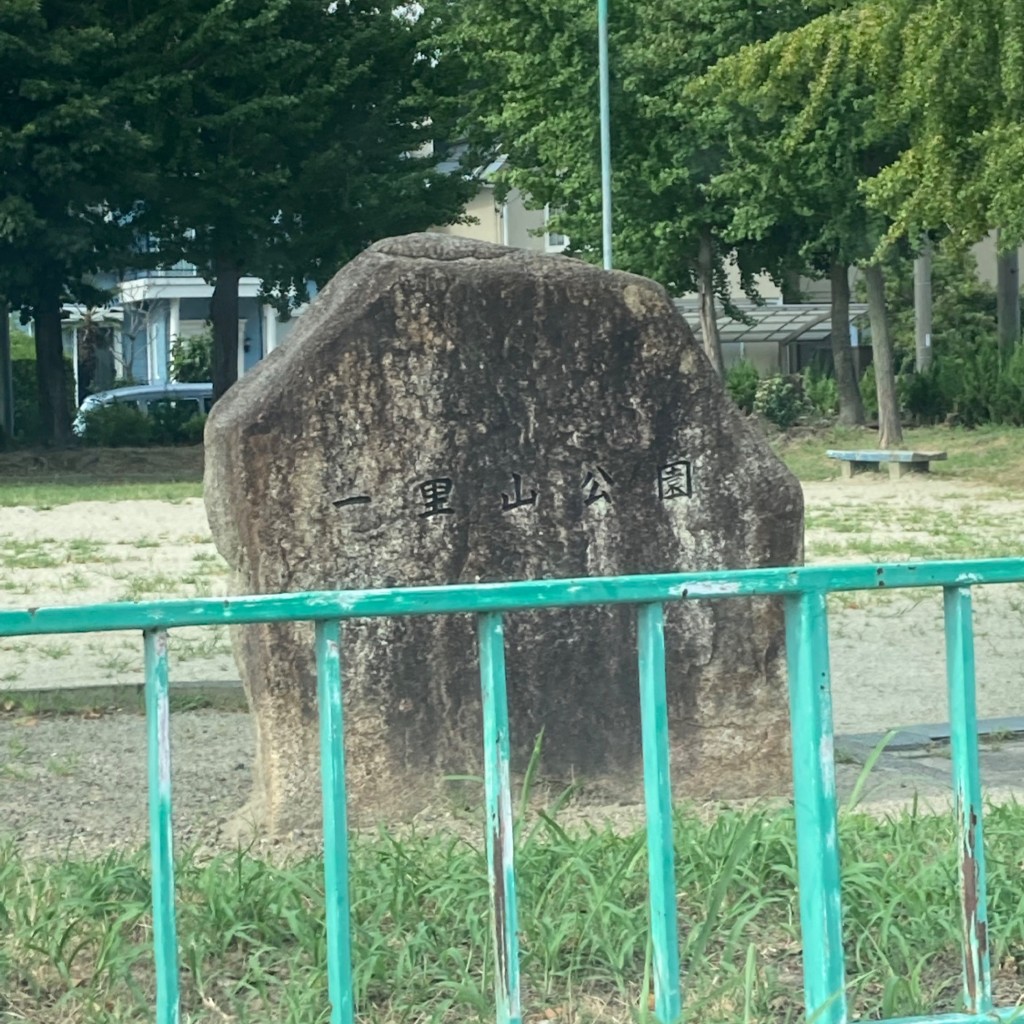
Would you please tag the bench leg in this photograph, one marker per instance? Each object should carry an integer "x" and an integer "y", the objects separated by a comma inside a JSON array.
[
  {"x": 897, "y": 470},
  {"x": 850, "y": 469}
]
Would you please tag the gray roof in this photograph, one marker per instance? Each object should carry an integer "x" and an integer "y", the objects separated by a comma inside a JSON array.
[{"x": 782, "y": 324}]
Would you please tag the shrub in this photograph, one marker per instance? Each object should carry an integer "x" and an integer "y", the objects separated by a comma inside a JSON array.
[
  {"x": 169, "y": 420},
  {"x": 921, "y": 395},
  {"x": 821, "y": 392},
  {"x": 191, "y": 359},
  {"x": 27, "y": 426},
  {"x": 869, "y": 392},
  {"x": 741, "y": 382},
  {"x": 192, "y": 429},
  {"x": 780, "y": 400},
  {"x": 117, "y": 426}
]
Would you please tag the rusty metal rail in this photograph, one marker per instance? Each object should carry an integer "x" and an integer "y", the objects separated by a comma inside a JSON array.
[{"x": 804, "y": 592}]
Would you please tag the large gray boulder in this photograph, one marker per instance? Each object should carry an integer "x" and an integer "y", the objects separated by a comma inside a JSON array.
[{"x": 448, "y": 411}]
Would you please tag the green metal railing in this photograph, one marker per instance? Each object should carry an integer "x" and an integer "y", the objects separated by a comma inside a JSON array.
[{"x": 804, "y": 591}]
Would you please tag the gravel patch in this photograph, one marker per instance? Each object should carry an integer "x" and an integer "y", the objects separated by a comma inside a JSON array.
[{"x": 76, "y": 785}]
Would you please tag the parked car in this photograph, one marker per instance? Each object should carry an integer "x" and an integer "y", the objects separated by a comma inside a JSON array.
[{"x": 190, "y": 399}]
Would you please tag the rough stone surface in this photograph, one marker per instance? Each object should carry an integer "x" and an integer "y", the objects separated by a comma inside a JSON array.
[{"x": 427, "y": 375}]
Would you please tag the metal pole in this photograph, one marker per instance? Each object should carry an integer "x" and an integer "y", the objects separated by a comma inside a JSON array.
[
  {"x": 606, "y": 134},
  {"x": 923, "y": 306}
]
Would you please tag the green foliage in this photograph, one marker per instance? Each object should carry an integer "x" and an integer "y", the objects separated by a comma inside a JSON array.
[
  {"x": 977, "y": 387},
  {"x": 421, "y": 926},
  {"x": 118, "y": 425},
  {"x": 967, "y": 379},
  {"x": 780, "y": 400},
  {"x": 821, "y": 392},
  {"x": 192, "y": 429},
  {"x": 953, "y": 70},
  {"x": 869, "y": 392},
  {"x": 23, "y": 345},
  {"x": 285, "y": 137},
  {"x": 921, "y": 395},
  {"x": 664, "y": 162},
  {"x": 27, "y": 425},
  {"x": 741, "y": 382},
  {"x": 68, "y": 157},
  {"x": 124, "y": 425},
  {"x": 190, "y": 359}
]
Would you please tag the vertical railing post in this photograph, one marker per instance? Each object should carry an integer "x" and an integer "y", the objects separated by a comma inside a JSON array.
[
  {"x": 814, "y": 797},
  {"x": 967, "y": 797},
  {"x": 161, "y": 844},
  {"x": 332, "y": 780},
  {"x": 500, "y": 847},
  {"x": 658, "y": 801}
]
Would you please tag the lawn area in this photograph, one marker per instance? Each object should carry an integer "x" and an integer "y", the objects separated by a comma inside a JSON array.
[
  {"x": 42, "y": 479},
  {"x": 986, "y": 455},
  {"x": 74, "y": 946}
]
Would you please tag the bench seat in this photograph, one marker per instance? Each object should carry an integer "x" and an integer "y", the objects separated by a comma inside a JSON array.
[{"x": 899, "y": 462}]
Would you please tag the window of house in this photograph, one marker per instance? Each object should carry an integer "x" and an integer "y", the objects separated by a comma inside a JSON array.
[{"x": 553, "y": 241}]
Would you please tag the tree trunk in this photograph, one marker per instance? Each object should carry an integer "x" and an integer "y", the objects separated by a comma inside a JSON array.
[
  {"x": 6, "y": 378},
  {"x": 1008, "y": 300},
  {"x": 923, "y": 307},
  {"x": 791, "y": 292},
  {"x": 890, "y": 430},
  {"x": 51, "y": 370},
  {"x": 224, "y": 316},
  {"x": 706, "y": 291},
  {"x": 851, "y": 408}
]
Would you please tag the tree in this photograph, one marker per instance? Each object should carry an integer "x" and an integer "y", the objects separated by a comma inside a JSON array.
[
  {"x": 956, "y": 77},
  {"x": 64, "y": 148},
  {"x": 287, "y": 136},
  {"x": 820, "y": 138},
  {"x": 536, "y": 102}
]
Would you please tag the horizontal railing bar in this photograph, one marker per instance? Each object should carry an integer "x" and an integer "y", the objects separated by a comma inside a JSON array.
[{"x": 505, "y": 597}]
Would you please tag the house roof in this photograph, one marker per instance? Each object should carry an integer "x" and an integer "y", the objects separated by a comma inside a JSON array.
[
  {"x": 484, "y": 173},
  {"x": 782, "y": 324}
]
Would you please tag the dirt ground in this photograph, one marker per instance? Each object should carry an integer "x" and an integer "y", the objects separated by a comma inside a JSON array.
[{"x": 887, "y": 649}]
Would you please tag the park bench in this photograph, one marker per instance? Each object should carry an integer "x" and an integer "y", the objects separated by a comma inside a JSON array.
[{"x": 900, "y": 463}]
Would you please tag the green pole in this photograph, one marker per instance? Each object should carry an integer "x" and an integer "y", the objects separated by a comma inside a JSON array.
[{"x": 606, "y": 134}]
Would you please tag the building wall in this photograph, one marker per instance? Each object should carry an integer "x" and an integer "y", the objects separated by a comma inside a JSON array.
[
  {"x": 985, "y": 253},
  {"x": 516, "y": 230}
]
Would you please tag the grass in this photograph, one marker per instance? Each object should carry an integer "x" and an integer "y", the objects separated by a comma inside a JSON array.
[
  {"x": 148, "y": 585},
  {"x": 991, "y": 455},
  {"x": 75, "y": 941},
  {"x": 50, "y": 495}
]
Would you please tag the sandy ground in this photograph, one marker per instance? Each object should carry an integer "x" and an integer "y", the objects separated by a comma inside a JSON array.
[{"x": 887, "y": 649}]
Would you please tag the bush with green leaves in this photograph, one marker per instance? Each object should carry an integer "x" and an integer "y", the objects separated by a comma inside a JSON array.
[
  {"x": 869, "y": 392},
  {"x": 170, "y": 419},
  {"x": 27, "y": 427},
  {"x": 117, "y": 425},
  {"x": 780, "y": 400},
  {"x": 741, "y": 382},
  {"x": 191, "y": 359},
  {"x": 821, "y": 392},
  {"x": 193, "y": 428}
]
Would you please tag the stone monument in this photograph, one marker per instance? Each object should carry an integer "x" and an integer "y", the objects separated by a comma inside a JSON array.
[{"x": 449, "y": 411}]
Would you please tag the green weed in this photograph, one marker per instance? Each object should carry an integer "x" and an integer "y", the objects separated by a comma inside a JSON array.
[{"x": 76, "y": 934}]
